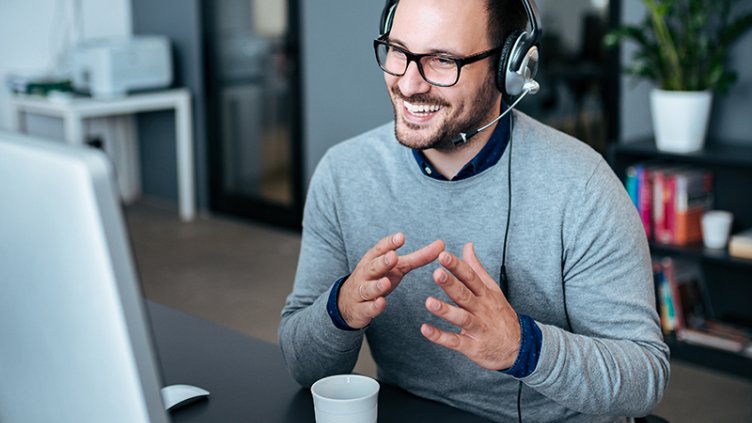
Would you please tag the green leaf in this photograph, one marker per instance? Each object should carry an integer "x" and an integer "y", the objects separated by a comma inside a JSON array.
[
  {"x": 683, "y": 44},
  {"x": 736, "y": 29}
]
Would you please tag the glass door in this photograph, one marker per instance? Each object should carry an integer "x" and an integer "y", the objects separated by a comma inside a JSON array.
[{"x": 253, "y": 75}]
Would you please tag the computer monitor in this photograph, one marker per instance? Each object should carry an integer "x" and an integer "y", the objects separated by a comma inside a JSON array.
[{"x": 74, "y": 341}]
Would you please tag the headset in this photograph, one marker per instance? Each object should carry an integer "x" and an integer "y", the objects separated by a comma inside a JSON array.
[
  {"x": 516, "y": 70},
  {"x": 518, "y": 61}
]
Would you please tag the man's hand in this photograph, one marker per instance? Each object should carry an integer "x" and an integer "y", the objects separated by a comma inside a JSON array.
[
  {"x": 363, "y": 295},
  {"x": 489, "y": 327}
]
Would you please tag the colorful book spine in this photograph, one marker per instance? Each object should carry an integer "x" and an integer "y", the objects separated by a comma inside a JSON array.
[
  {"x": 676, "y": 307},
  {"x": 664, "y": 301},
  {"x": 693, "y": 196},
  {"x": 660, "y": 201},
  {"x": 632, "y": 185},
  {"x": 645, "y": 198}
]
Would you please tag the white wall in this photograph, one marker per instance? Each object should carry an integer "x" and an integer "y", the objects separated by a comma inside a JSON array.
[{"x": 32, "y": 32}]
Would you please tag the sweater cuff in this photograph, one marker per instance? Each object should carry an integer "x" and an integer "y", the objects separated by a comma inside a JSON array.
[
  {"x": 530, "y": 347},
  {"x": 331, "y": 305}
]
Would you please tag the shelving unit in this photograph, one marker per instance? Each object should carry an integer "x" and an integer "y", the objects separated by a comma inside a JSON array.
[{"x": 728, "y": 279}]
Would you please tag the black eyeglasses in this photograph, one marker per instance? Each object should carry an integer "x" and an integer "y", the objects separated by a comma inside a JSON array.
[{"x": 437, "y": 69}]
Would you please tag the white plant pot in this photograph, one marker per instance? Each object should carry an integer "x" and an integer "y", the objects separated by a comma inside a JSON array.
[{"x": 680, "y": 119}]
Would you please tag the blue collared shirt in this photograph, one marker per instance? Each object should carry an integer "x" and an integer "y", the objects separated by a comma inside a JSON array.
[
  {"x": 530, "y": 335},
  {"x": 488, "y": 156}
]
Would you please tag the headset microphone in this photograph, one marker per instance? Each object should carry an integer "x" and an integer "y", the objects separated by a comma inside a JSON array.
[{"x": 531, "y": 87}]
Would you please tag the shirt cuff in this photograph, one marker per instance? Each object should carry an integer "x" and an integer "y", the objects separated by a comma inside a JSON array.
[
  {"x": 530, "y": 347},
  {"x": 331, "y": 305}
]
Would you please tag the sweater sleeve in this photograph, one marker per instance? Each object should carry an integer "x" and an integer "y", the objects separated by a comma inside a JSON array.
[
  {"x": 312, "y": 346},
  {"x": 614, "y": 360}
]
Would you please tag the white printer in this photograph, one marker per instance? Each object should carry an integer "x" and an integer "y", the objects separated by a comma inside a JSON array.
[{"x": 110, "y": 67}]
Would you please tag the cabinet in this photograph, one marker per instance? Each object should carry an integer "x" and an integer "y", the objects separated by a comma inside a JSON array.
[{"x": 728, "y": 280}]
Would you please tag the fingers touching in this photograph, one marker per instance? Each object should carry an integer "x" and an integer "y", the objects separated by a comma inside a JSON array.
[
  {"x": 420, "y": 257},
  {"x": 489, "y": 330},
  {"x": 380, "y": 270}
]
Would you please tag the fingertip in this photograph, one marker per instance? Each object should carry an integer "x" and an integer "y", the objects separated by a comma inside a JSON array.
[
  {"x": 398, "y": 239},
  {"x": 440, "y": 243},
  {"x": 445, "y": 258},
  {"x": 468, "y": 251},
  {"x": 432, "y": 304},
  {"x": 384, "y": 284},
  {"x": 379, "y": 305},
  {"x": 440, "y": 276},
  {"x": 426, "y": 330}
]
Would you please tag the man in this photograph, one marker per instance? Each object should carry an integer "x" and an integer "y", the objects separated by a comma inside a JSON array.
[{"x": 574, "y": 335}]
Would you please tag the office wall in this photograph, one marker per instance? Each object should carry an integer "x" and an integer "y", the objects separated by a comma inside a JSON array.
[
  {"x": 33, "y": 32},
  {"x": 343, "y": 87},
  {"x": 180, "y": 21},
  {"x": 730, "y": 122}
]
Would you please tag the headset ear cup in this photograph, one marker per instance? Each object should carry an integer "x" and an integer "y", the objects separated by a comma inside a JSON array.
[
  {"x": 387, "y": 16},
  {"x": 504, "y": 57}
]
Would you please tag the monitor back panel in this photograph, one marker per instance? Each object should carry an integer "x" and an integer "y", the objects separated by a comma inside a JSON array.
[{"x": 74, "y": 343}]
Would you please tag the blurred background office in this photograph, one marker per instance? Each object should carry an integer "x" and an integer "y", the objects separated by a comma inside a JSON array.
[{"x": 273, "y": 85}]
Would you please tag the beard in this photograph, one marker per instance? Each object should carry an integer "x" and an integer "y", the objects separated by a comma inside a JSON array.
[{"x": 478, "y": 111}]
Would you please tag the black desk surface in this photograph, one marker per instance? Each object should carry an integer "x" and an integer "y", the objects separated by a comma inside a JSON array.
[{"x": 248, "y": 379}]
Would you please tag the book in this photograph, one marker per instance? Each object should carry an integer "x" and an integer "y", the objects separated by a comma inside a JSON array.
[
  {"x": 692, "y": 195},
  {"x": 719, "y": 335},
  {"x": 632, "y": 185},
  {"x": 645, "y": 195},
  {"x": 687, "y": 300},
  {"x": 666, "y": 306},
  {"x": 662, "y": 205},
  {"x": 670, "y": 200},
  {"x": 707, "y": 339},
  {"x": 740, "y": 245}
]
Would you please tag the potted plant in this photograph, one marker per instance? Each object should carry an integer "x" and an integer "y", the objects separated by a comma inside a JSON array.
[{"x": 682, "y": 47}]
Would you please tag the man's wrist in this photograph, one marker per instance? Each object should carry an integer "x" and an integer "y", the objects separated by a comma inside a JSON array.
[
  {"x": 332, "y": 306},
  {"x": 529, "y": 350}
]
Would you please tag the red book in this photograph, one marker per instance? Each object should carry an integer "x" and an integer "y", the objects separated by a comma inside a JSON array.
[
  {"x": 660, "y": 197},
  {"x": 645, "y": 197}
]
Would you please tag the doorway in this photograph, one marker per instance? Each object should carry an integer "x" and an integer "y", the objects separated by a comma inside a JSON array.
[{"x": 253, "y": 73}]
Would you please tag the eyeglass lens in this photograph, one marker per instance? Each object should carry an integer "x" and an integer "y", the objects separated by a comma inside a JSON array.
[{"x": 435, "y": 69}]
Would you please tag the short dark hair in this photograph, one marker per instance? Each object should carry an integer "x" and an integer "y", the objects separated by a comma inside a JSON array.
[{"x": 504, "y": 17}]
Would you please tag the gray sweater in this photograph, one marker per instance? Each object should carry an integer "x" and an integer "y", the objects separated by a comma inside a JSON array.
[{"x": 571, "y": 221}]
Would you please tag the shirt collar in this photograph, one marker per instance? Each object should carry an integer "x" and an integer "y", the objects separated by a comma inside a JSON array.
[{"x": 488, "y": 156}]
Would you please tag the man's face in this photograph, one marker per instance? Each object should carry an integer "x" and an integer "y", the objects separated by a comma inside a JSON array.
[{"x": 427, "y": 116}]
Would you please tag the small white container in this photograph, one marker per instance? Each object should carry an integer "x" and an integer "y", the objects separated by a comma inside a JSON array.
[
  {"x": 716, "y": 228},
  {"x": 345, "y": 399}
]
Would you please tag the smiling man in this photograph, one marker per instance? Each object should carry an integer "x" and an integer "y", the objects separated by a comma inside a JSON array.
[{"x": 494, "y": 264}]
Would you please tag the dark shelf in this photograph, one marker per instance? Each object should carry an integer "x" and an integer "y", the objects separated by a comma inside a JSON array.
[
  {"x": 728, "y": 362},
  {"x": 727, "y": 278},
  {"x": 713, "y": 154},
  {"x": 698, "y": 252}
]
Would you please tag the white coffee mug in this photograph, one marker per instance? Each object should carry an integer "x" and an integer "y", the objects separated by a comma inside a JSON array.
[
  {"x": 716, "y": 228},
  {"x": 345, "y": 399}
]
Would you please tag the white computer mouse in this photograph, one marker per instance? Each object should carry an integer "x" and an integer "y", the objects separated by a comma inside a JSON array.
[{"x": 174, "y": 396}]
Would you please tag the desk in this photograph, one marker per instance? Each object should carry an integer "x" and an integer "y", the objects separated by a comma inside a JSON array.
[
  {"x": 248, "y": 379},
  {"x": 75, "y": 110}
]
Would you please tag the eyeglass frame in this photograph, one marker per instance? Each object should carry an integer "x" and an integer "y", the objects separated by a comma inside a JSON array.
[{"x": 413, "y": 57}]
